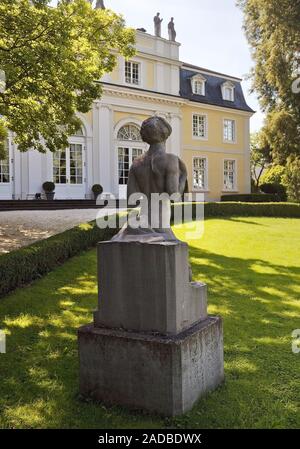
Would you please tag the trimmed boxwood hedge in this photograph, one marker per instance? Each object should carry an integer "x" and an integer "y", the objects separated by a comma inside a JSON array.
[
  {"x": 252, "y": 197},
  {"x": 228, "y": 209},
  {"x": 23, "y": 265}
]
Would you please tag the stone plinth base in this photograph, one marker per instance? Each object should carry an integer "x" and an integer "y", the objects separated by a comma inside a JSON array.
[
  {"x": 162, "y": 374},
  {"x": 145, "y": 287}
]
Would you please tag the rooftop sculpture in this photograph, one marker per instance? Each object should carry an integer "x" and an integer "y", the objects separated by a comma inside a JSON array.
[
  {"x": 171, "y": 30},
  {"x": 157, "y": 25}
]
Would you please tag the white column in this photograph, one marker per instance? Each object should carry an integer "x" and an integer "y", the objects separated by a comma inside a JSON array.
[
  {"x": 17, "y": 189},
  {"x": 47, "y": 167},
  {"x": 24, "y": 163},
  {"x": 95, "y": 178},
  {"x": 175, "y": 141},
  {"x": 160, "y": 78},
  {"x": 89, "y": 163},
  {"x": 175, "y": 80},
  {"x": 35, "y": 173},
  {"x": 106, "y": 147}
]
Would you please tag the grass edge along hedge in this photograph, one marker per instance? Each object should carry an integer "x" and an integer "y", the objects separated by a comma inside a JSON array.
[{"x": 23, "y": 265}]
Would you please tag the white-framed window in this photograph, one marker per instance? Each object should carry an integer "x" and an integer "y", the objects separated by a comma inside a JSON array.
[
  {"x": 229, "y": 130},
  {"x": 60, "y": 167},
  {"x": 200, "y": 173},
  {"x": 200, "y": 126},
  {"x": 4, "y": 168},
  {"x": 68, "y": 165},
  {"x": 76, "y": 163},
  {"x": 126, "y": 156},
  {"x": 198, "y": 85},
  {"x": 229, "y": 174},
  {"x": 228, "y": 91},
  {"x": 132, "y": 72}
]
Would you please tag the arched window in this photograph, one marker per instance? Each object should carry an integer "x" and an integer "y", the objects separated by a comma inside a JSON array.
[
  {"x": 130, "y": 132},
  {"x": 79, "y": 133},
  {"x": 129, "y": 147}
]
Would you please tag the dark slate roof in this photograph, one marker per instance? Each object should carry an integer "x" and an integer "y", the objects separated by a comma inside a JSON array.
[{"x": 213, "y": 92}]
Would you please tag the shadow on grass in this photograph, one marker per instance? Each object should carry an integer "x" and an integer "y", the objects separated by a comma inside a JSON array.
[
  {"x": 243, "y": 220},
  {"x": 39, "y": 373},
  {"x": 259, "y": 303}
]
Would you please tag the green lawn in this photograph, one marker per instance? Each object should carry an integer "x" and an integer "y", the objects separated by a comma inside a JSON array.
[{"x": 252, "y": 268}]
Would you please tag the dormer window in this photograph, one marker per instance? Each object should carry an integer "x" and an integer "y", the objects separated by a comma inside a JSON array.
[
  {"x": 228, "y": 94},
  {"x": 198, "y": 85},
  {"x": 228, "y": 91}
]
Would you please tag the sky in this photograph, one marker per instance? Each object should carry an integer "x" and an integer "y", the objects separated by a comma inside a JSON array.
[{"x": 210, "y": 33}]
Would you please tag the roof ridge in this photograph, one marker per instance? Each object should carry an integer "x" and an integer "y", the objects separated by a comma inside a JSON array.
[{"x": 202, "y": 69}]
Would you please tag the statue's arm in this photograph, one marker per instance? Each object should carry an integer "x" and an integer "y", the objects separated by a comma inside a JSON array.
[
  {"x": 183, "y": 184},
  {"x": 132, "y": 184}
]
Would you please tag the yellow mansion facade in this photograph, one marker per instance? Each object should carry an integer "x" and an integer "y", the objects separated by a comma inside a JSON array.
[{"x": 207, "y": 112}]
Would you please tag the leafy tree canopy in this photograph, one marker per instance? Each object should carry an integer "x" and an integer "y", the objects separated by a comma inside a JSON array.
[
  {"x": 273, "y": 175},
  {"x": 291, "y": 178},
  {"x": 260, "y": 156},
  {"x": 273, "y": 31},
  {"x": 51, "y": 58}
]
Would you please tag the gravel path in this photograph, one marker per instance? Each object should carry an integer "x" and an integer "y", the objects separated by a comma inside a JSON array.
[{"x": 20, "y": 228}]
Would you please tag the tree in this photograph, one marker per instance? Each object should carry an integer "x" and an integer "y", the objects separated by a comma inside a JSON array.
[
  {"x": 259, "y": 157},
  {"x": 273, "y": 175},
  {"x": 291, "y": 178},
  {"x": 281, "y": 132},
  {"x": 273, "y": 32},
  {"x": 271, "y": 181},
  {"x": 52, "y": 59}
]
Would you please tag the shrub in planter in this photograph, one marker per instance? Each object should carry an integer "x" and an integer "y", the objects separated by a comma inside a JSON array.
[
  {"x": 49, "y": 187},
  {"x": 97, "y": 189},
  {"x": 274, "y": 188}
]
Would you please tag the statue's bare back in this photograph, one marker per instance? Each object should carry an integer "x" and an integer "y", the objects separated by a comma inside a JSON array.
[{"x": 155, "y": 172}]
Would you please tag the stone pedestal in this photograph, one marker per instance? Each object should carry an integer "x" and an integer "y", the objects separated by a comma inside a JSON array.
[
  {"x": 145, "y": 287},
  {"x": 152, "y": 345}
]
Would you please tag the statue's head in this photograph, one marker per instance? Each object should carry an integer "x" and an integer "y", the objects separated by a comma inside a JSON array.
[{"x": 155, "y": 130}]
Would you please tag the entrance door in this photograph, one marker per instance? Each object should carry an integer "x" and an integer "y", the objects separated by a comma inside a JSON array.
[
  {"x": 68, "y": 172},
  {"x": 126, "y": 155}
]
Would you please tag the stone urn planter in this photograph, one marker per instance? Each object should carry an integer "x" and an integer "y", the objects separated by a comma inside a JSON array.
[
  {"x": 97, "y": 189},
  {"x": 48, "y": 188}
]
